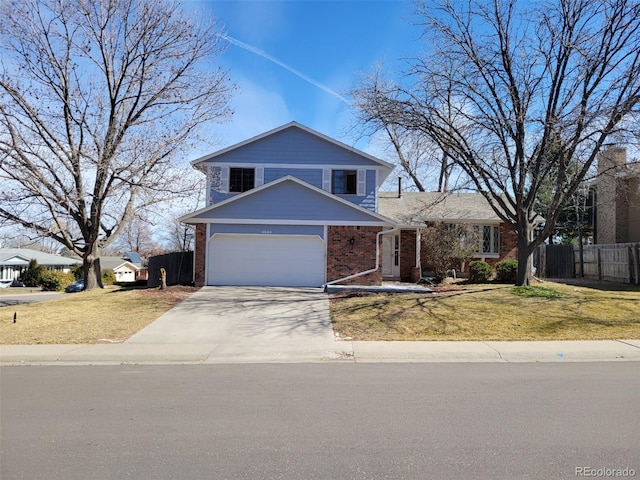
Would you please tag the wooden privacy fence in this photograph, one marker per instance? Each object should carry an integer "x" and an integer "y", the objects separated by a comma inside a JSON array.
[
  {"x": 178, "y": 265},
  {"x": 618, "y": 262}
]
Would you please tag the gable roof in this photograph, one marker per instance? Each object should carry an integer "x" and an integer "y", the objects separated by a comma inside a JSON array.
[
  {"x": 109, "y": 262},
  {"x": 132, "y": 265},
  {"x": 22, "y": 256},
  {"x": 312, "y": 206},
  {"x": 294, "y": 125},
  {"x": 416, "y": 208}
]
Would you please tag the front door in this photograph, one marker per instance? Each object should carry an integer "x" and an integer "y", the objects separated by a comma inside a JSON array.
[{"x": 391, "y": 255}]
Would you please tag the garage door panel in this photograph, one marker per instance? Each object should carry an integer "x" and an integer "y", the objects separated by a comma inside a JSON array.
[{"x": 273, "y": 260}]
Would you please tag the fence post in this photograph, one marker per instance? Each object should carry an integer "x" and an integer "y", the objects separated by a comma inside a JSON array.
[
  {"x": 581, "y": 255},
  {"x": 599, "y": 263},
  {"x": 635, "y": 258}
]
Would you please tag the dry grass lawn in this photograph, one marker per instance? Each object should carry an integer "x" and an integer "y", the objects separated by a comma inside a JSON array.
[
  {"x": 100, "y": 316},
  {"x": 491, "y": 312}
]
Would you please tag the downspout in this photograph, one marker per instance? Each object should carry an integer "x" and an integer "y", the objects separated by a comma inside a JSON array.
[
  {"x": 366, "y": 272},
  {"x": 419, "y": 250}
]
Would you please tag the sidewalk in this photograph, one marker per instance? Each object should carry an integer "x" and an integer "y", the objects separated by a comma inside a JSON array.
[{"x": 345, "y": 351}]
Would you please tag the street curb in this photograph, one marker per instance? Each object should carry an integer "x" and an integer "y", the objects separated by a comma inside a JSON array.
[{"x": 344, "y": 352}]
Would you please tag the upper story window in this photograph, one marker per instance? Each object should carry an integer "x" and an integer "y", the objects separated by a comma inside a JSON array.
[
  {"x": 241, "y": 179},
  {"x": 344, "y": 181}
]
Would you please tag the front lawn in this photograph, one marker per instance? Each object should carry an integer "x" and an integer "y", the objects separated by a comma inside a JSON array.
[
  {"x": 552, "y": 311},
  {"x": 100, "y": 316}
]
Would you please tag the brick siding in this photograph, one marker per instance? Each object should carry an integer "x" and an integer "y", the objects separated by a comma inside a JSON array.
[
  {"x": 200, "y": 254},
  {"x": 408, "y": 255},
  {"x": 343, "y": 259}
]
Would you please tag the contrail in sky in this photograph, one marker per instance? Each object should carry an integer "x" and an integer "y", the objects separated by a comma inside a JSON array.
[{"x": 297, "y": 73}]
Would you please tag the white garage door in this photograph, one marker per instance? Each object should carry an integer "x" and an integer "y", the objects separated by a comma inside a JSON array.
[{"x": 274, "y": 260}]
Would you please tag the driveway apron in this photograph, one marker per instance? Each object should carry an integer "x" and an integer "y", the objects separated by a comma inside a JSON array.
[{"x": 250, "y": 324}]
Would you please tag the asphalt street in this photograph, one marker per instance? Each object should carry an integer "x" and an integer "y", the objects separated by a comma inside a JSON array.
[
  {"x": 9, "y": 299},
  {"x": 319, "y": 421}
]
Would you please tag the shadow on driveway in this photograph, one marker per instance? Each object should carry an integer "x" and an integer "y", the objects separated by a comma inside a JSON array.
[{"x": 237, "y": 315}]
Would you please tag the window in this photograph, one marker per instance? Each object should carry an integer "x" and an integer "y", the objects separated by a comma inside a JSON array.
[
  {"x": 489, "y": 239},
  {"x": 241, "y": 179},
  {"x": 344, "y": 181}
]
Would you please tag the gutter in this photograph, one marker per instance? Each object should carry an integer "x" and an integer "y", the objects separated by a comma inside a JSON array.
[{"x": 366, "y": 272}]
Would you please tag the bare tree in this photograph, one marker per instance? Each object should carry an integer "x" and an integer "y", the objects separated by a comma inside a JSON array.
[
  {"x": 448, "y": 246},
  {"x": 137, "y": 237},
  {"x": 519, "y": 94},
  {"x": 419, "y": 156},
  {"x": 97, "y": 100}
]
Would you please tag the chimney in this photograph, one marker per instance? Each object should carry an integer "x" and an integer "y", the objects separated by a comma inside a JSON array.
[
  {"x": 399, "y": 187},
  {"x": 611, "y": 208}
]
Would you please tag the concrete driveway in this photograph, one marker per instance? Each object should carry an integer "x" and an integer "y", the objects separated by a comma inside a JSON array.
[{"x": 250, "y": 324}]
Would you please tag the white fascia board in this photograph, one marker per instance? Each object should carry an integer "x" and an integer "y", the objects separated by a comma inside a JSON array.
[
  {"x": 284, "y": 127},
  {"x": 453, "y": 220},
  {"x": 306, "y": 166},
  {"x": 244, "y": 221},
  {"x": 131, "y": 265},
  {"x": 253, "y": 191}
]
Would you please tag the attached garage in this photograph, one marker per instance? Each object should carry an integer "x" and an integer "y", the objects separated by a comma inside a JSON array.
[{"x": 266, "y": 260}]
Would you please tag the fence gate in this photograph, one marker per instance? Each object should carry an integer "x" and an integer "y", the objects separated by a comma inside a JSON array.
[{"x": 556, "y": 261}]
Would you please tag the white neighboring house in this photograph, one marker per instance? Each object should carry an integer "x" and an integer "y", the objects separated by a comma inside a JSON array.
[
  {"x": 14, "y": 261},
  {"x": 128, "y": 269},
  {"x": 130, "y": 272}
]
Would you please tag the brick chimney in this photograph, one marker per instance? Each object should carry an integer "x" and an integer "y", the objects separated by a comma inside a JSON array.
[{"x": 612, "y": 208}]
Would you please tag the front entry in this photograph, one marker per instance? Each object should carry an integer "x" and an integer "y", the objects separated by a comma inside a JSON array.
[{"x": 391, "y": 256}]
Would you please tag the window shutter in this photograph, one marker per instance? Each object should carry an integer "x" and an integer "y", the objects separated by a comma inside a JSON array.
[
  {"x": 326, "y": 179},
  {"x": 224, "y": 179},
  {"x": 362, "y": 183},
  {"x": 259, "y": 177}
]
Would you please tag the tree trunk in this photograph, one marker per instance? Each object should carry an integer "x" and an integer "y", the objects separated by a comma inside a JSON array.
[
  {"x": 525, "y": 260},
  {"x": 163, "y": 279},
  {"x": 92, "y": 272}
]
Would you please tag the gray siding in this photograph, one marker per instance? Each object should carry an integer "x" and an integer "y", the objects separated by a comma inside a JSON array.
[
  {"x": 287, "y": 201},
  {"x": 369, "y": 200},
  {"x": 268, "y": 229},
  {"x": 312, "y": 176},
  {"x": 296, "y": 147}
]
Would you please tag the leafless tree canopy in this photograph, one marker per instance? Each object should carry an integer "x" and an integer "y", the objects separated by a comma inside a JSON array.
[
  {"x": 516, "y": 93},
  {"x": 97, "y": 98}
]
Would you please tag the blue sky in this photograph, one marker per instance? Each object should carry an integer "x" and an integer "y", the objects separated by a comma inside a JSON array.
[{"x": 325, "y": 43}]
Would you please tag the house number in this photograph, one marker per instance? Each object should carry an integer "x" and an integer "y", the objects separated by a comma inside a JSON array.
[{"x": 267, "y": 232}]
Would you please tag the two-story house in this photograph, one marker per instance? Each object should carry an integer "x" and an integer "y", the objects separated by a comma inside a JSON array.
[
  {"x": 289, "y": 207},
  {"x": 293, "y": 207}
]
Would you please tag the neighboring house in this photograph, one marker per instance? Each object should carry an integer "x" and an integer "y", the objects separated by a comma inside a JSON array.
[
  {"x": 293, "y": 207},
  {"x": 13, "y": 261},
  {"x": 618, "y": 198},
  {"x": 128, "y": 268}
]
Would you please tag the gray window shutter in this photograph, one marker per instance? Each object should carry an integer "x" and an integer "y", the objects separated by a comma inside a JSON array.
[
  {"x": 362, "y": 183},
  {"x": 259, "y": 176},
  {"x": 326, "y": 179},
  {"x": 224, "y": 180}
]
